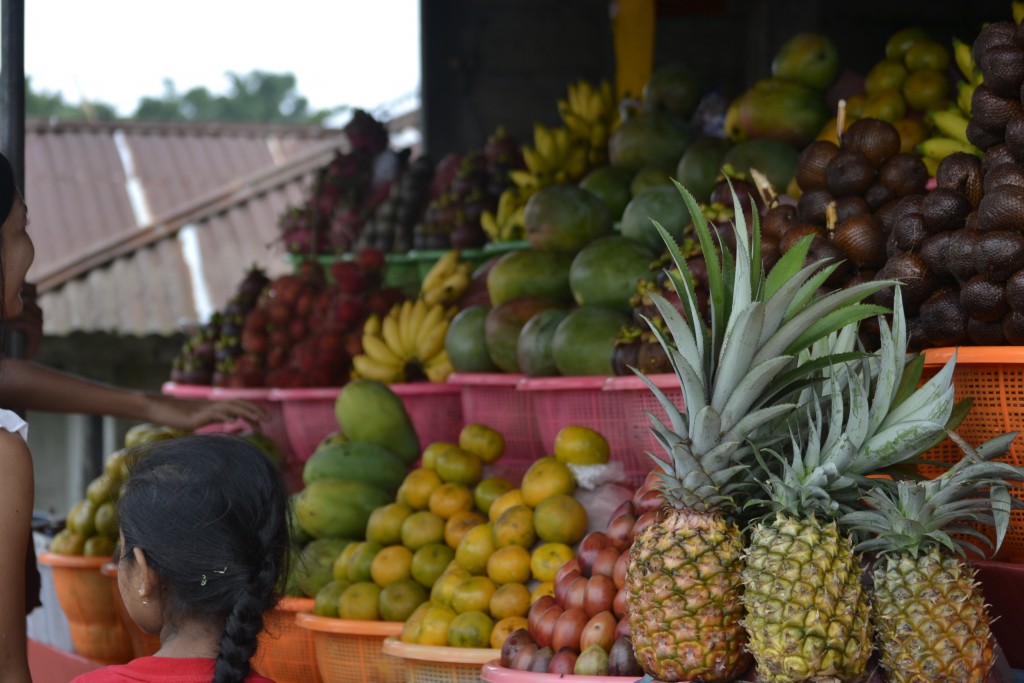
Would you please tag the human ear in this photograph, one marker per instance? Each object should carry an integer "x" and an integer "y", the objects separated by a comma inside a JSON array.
[{"x": 146, "y": 576}]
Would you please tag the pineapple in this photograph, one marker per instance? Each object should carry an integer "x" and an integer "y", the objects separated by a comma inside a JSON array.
[
  {"x": 807, "y": 610},
  {"x": 738, "y": 375},
  {"x": 929, "y": 616}
]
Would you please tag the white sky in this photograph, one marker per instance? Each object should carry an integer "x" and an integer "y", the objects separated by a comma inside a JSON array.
[{"x": 359, "y": 53}]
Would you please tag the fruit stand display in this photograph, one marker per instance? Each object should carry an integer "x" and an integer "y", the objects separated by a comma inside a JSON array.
[{"x": 474, "y": 361}]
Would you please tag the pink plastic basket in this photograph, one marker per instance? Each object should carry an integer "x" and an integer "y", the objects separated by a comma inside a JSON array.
[
  {"x": 308, "y": 417},
  {"x": 612, "y": 406},
  {"x": 492, "y": 399},
  {"x": 493, "y": 672},
  {"x": 637, "y": 400},
  {"x": 273, "y": 427},
  {"x": 435, "y": 410}
]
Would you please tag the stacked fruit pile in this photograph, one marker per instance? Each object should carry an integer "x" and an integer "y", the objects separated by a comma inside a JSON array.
[
  {"x": 390, "y": 229},
  {"x": 584, "y": 628}
]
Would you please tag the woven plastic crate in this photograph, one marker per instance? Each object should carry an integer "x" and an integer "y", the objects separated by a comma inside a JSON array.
[
  {"x": 285, "y": 652},
  {"x": 85, "y": 596},
  {"x": 435, "y": 409},
  {"x": 349, "y": 651},
  {"x": 493, "y": 399},
  {"x": 433, "y": 664},
  {"x": 993, "y": 376},
  {"x": 616, "y": 413},
  {"x": 308, "y": 417},
  {"x": 143, "y": 644},
  {"x": 637, "y": 400},
  {"x": 494, "y": 672}
]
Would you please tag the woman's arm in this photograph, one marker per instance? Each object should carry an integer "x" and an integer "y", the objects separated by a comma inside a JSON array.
[
  {"x": 29, "y": 385},
  {"x": 16, "y": 500}
]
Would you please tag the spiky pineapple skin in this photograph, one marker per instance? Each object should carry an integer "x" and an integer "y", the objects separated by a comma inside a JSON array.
[
  {"x": 683, "y": 595},
  {"x": 931, "y": 620},
  {"x": 807, "y": 609}
]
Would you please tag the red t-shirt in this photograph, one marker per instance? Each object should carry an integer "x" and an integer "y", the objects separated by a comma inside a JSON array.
[{"x": 161, "y": 670}]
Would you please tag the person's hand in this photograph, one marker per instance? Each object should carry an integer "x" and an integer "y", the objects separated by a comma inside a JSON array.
[
  {"x": 29, "y": 322},
  {"x": 190, "y": 414}
]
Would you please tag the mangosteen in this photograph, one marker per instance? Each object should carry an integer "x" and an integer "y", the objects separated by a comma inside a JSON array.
[
  {"x": 961, "y": 172},
  {"x": 944, "y": 322},
  {"x": 904, "y": 174},
  {"x": 861, "y": 240},
  {"x": 812, "y": 163},
  {"x": 944, "y": 209},
  {"x": 624, "y": 357},
  {"x": 983, "y": 299},
  {"x": 652, "y": 359},
  {"x": 877, "y": 140},
  {"x": 849, "y": 173}
]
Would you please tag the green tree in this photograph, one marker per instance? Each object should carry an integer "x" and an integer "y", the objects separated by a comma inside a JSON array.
[
  {"x": 51, "y": 105},
  {"x": 259, "y": 97}
]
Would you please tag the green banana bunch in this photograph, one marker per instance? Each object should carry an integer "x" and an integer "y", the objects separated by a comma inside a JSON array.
[
  {"x": 556, "y": 157},
  {"x": 508, "y": 223}
]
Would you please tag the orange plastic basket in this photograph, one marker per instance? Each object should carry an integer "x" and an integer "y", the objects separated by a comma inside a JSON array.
[
  {"x": 349, "y": 651},
  {"x": 143, "y": 644},
  {"x": 494, "y": 672},
  {"x": 993, "y": 376},
  {"x": 285, "y": 652},
  {"x": 432, "y": 664},
  {"x": 97, "y": 631},
  {"x": 492, "y": 399}
]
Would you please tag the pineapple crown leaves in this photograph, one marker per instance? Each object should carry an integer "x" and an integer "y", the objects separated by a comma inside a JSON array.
[
  {"x": 912, "y": 517},
  {"x": 730, "y": 369}
]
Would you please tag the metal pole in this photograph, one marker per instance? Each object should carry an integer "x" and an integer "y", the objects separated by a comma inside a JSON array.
[{"x": 12, "y": 113}]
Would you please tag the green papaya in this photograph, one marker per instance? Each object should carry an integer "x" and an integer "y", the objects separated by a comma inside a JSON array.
[
  {"x": 356, "y": 461},
  {"x": 338, "y": 508},
  {"x": 313, "y": 571},
  {"x": 369, "y": 411}
]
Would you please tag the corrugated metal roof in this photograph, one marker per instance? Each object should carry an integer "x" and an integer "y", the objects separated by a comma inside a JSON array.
[
  {"x": 140, "y": 228},
  {"x": 153, "y": 280}
]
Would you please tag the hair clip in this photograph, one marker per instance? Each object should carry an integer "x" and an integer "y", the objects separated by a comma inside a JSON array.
[{"x": 203, "y": 582}]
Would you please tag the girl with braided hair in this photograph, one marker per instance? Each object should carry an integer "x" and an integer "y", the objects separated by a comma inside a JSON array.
[{"x": 204, "y": 538}]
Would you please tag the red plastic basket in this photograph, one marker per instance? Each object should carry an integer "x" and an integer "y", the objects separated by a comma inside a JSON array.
[
  {"x": 435, "y": 410},
  {"x": 612, "y": 406},
  {"x": 349, "y": 651},
  {"x": 493, "y": 399},
  {"x": 993, "y": 376},
  {"x": 285, "y": 652}
]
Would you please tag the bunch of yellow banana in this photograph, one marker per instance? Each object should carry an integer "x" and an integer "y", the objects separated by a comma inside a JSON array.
[
  {"x": 964, "y": 58},
  {"x": 406, "y": 345},
  {"x": 591, "y": 114},
  {"x": 556, "y": 157},
  {"x": 509, "y": 222},
  {"x": 948, "y": 137},
  {"x": 447, "y": 280}
]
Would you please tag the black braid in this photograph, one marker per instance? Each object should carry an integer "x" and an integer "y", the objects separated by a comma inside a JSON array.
[{"x": 238, "y": 644}]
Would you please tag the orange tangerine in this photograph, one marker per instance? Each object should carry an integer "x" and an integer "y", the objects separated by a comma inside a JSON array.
[
  {"x": 510, "y": 564},
  {"x": 422, "y": 528},
  {"x": 414, "y": 624},
  {"x": 489, "y": 490},
  {"x": 515, "y": 527},
  {"x": 472, "y": 594},
  {"x": 444, "y": 588},
  {"x": 545, "y": 478},
  {"x": 430, "y": 562},
  {"x": 504, "y": 628},
  {"x": 560, "y": 519},
  {"x": 391, "y": 564},
  {"x": 359, "y": 601},
  {"x": 450, "y": 498},
  {"x": 459, "y": 466},
  {"x": 580, "y": 445},
  {"x": 435, "y": 624},
  {"x": 361, "y": 559},
  {"x": 542, "y": 589},
  {"x": 481, "y": 440},
  {"x": 460, "y": 523},
  {"x": 429, "y": 457},
  {"x": 399, "y": 599},
  {"x": 510, "y": 600},
  {"x": 548, "y": 558},
  {"x": 385, "y": 523},
  {"x": 474, "y": 549},
  {"x": 504, "y": 502},
  {"x": 470, "y": 629},
  {"x": 416, "y": 489}
]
